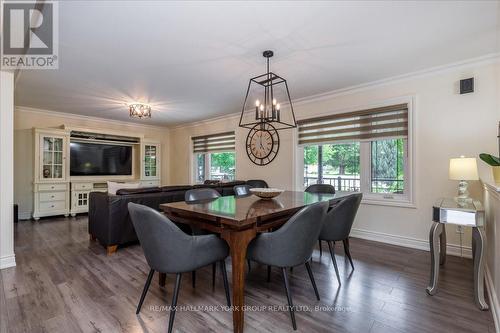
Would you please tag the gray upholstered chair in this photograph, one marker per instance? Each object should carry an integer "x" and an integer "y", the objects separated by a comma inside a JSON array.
[
  {"x": 193, "y": 196},
  {"x": 198, "y": 194},
  {"x": 320, "y": 188},
  {"x": 259, "y": 183},
  {"x": 291, "y": 245},
  {"x": 337, "y": 226},
  {"x": 241, "y": 190},
  {"x": 169, "y": 250}
]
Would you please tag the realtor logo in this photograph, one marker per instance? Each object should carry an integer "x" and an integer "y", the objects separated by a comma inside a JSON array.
[{"x": 29, "y": 35}]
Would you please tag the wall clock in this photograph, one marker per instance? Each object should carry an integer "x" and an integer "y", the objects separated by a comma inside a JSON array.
[{"x": 263, "y": 143}]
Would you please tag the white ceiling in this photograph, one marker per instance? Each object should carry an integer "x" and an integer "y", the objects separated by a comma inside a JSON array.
[{"x": 192, "y": 60}]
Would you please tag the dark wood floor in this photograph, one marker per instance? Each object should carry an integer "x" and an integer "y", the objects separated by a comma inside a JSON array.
[{"x": 65, "y": 283}]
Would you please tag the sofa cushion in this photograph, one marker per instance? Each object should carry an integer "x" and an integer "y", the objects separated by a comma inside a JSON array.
[{"x": 140, "y": 190}]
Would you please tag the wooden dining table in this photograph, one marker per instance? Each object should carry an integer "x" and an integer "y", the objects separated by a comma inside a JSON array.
[{"x": 238, "y": 220}]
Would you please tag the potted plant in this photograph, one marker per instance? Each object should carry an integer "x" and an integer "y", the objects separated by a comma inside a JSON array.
[{"x": 495, "y": 165}]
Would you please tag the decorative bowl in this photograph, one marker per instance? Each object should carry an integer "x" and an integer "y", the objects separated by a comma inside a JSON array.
[{"x": 266, "y": 193}]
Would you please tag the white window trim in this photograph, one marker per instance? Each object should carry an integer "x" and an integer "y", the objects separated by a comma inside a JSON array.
[{"x": 408, "y": 200}]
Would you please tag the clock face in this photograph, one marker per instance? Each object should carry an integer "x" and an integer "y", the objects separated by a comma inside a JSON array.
[{"x": 263, "y": 143}]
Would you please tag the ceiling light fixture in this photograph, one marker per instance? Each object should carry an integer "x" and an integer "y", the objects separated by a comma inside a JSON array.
[
  {"x": 138, "y": 110},
  {"x": 268, "y": 101}
]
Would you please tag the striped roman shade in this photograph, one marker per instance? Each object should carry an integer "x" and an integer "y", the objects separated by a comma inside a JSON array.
[
  {"x": 214, "y": 142},
  {"x": 363, "y": 125}
]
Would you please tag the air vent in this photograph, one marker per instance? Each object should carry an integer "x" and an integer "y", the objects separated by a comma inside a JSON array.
[{"x": 103, "y": 137}]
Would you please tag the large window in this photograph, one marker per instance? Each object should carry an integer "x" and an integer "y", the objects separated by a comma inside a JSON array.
[
  {"x": 214, "y": 166},
  {"x": 364, "y": 151},
  {"x": 214, "y": 157}
]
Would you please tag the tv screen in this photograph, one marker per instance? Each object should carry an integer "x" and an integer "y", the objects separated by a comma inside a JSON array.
[{"x": 95, "y": 159}]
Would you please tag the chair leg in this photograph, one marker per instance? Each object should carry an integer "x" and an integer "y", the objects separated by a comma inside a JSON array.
[
  {"x": 174, "y": 302},
  {"x": 347, "y": 252},
  {"x": 320, "y": 248},
  {"x": 268, "y": 273},
  {"x": 145, "y": 290},
  {"x": 289, "y": 297},
  {"x": 193, "y": 278},
  {"x": 214, "y": 269},
  {"x": 331, "y": 246},
  {"x": 249, "y": 265},
  {"x": 311, "y": 276},
  {"x": 291, "y": 270},
  {"x": 226, "y": 284}
]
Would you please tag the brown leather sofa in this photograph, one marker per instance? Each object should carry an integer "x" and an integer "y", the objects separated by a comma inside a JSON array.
[{"x": 109, "y": 220}]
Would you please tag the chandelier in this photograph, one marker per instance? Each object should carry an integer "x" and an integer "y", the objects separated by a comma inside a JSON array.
[
  {"x": 267, "y": 101},
  {"x": 138, "y": 110}
]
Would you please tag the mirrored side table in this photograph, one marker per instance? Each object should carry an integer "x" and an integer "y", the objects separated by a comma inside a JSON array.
[{"x": 469, "y": 214}]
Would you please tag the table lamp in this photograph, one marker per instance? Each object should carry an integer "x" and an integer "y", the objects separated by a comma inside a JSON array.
[{"x": 463, "y": 169}]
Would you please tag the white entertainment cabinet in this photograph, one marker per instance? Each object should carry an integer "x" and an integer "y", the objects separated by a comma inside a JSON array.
[{"x": 56, "y": 192}]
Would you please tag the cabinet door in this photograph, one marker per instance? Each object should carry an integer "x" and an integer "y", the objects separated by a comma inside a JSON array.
[
  {"x": 151, "y": 161},
  {"x": 52, "y": 157}
]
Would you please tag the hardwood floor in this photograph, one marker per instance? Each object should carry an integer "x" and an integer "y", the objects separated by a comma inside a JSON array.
[{"x": 64, "y": 282}]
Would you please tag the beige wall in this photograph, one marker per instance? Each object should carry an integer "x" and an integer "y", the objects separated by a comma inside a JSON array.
[
  {"x": 24, "y": 121},
  {"x": 447, "y": 125}
]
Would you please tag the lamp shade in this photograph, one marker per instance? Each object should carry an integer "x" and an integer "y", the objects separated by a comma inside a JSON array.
[{"x": 463, "y": 168}]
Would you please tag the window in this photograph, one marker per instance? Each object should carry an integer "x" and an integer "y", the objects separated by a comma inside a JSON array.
[
  {"x": 214, "y": 157},
  {"x": 214, "y": 166},
  {"x": 364, "y": 151}
]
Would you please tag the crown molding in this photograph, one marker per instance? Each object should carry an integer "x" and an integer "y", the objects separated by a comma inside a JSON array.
[
  {"x": 464, "y": 64},
  {"x": 25, "y": 109}
]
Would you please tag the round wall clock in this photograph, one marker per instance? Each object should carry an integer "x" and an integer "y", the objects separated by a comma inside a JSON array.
[{"x": 263, "y": 143}]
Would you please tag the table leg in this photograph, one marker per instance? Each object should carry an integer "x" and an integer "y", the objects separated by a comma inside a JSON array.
[
  {"x": 238, "y": 242},
  {"x": 478, "y": 244},
  {"x": 442, "y": 245},
  {"x": 436, "y": 231}
]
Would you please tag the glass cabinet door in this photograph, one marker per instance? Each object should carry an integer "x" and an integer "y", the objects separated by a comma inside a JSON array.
[
  {"x": 52, "y": 158},
  {"x": 150, "y": 161}
]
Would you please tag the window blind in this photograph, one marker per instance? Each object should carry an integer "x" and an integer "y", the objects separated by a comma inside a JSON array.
[
  {"x": 214, "y": 142},
  {"x": 363, "y": 125}
]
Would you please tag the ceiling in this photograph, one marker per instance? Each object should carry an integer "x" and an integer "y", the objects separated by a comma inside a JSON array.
[{"x": 192, "y": 60}]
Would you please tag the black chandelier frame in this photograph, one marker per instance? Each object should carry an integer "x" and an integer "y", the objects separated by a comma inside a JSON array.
[{"x": 268, "y": 81}]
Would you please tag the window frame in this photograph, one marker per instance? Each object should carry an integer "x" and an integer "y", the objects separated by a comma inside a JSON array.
[
  {"x": 208, "y": 164},
  {"x": 386, "y": 199}
]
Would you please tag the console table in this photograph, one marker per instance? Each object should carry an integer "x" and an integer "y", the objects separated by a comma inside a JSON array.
[{"x": 471, "y": 214}]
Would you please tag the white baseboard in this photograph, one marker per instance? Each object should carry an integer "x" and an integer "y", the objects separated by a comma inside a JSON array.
[
  {"x": 7, "y": 261},
  {"x": 492, "y": 296},
  {"x": 410, "y": 242}
]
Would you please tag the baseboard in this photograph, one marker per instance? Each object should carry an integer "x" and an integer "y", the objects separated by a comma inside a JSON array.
[
  {"x": 492, "y": 296},
  {"x": 7, "y": 261},
  {"x": 410, "y": 242}
]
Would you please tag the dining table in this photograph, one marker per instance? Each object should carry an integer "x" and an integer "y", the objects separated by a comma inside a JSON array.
[{"x": 239, "y": 220}]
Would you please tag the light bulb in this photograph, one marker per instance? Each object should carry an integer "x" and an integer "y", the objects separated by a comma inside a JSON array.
[
  {"x": 262, "y": 107},
  {"x": 257, "y": 103},
  {"x": 274, "y": 101},
  {"x": 277, "y": 106}
]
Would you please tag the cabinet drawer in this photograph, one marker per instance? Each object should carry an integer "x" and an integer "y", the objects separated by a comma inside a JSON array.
[
  {"x": 149, "y": 183},
  {"x": 51, "y": 187},
  {"x": 53, "y": 205},
  {"x": 82, "y": 186},
  {"x": 52, "y": 196}
]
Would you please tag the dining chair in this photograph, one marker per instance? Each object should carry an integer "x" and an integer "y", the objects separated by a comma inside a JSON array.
[
  {"x": 259, "y": 183},
  {"x": 291, "y": 245},
  {"x": 338, "y": 224},
  {"x": 192, "y": 196},
  {"x": 320, "y": 188},
  {"x": 169, "y": 250},
  {"x": 242, "y": 190}
]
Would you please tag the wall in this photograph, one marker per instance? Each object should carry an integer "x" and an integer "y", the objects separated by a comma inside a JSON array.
[
  {"x": 447, "y": 125},
  {"x": 25, "y": 119}
]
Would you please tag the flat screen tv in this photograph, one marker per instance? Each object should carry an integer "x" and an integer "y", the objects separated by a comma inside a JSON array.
[{"x": 96, "y": 159}]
